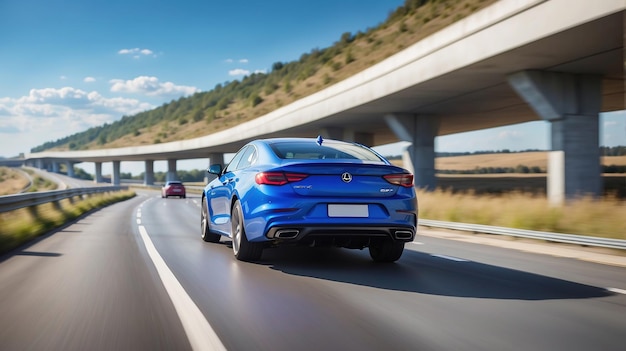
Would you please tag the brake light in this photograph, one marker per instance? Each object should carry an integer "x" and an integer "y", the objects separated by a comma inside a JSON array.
[
  {"x": 404, "y": 179},
  {"x": 278, "y": 178}
]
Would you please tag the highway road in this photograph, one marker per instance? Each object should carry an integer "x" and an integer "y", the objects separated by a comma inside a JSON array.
[{"x": 136, "y": 276}]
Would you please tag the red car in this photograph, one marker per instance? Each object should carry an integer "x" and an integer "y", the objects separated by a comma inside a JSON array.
[{"x": 173, "y": 188}]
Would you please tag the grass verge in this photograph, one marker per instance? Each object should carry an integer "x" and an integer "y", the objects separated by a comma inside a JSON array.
[
  {"x": 602, "y": 217},
  {"x": 20, "y": 226}
]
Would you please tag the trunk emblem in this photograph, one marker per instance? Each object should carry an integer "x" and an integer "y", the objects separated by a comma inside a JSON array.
[{"x": 346, "y": 177}]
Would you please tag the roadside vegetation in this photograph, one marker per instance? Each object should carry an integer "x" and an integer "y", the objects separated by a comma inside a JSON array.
[
  {"x": 602, "y": 217},
  {"x": 11, "y": 181},
  {"x": 20, "y": 226},
  {"x": 41, "y": 184}
]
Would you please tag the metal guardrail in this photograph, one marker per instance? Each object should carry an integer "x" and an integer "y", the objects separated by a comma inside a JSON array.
[
  {"x": 530, "y": 234},
  {"x": 17, "y": 201}
]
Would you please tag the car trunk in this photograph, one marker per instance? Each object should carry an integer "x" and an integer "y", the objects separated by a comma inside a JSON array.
[{"x": 354, "y": 180}]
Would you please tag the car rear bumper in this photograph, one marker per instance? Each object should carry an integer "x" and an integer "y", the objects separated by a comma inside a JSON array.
[
  {"x": 171, "y": 193},
  {"x": 325, "y": 232}
]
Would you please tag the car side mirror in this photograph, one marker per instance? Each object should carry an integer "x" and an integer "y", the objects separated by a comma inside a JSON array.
[{"x": 215, "y": 169}]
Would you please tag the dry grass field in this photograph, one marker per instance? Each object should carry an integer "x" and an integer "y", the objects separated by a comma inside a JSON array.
[
  {"x": 584, "y": 216},
  {"x": 11, "y": 181},
  {"x": 529, "y": 159},
  {"x": 533, "y": 184}
]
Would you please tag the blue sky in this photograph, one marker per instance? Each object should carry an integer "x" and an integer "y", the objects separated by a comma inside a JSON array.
[{"x": 66, "y": 66}]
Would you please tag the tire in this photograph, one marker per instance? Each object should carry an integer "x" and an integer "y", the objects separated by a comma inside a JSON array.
[
  {"x": 242, "y": 248},
  {"x": 386, "y": 251},
  {"x": 204, "y": 225}
]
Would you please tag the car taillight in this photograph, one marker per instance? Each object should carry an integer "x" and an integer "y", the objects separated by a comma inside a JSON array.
[
  {"x": 404, "y": 179},
  {"x": 278, "y": 178}
]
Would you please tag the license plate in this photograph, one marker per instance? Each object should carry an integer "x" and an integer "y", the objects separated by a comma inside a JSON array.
[
  {"x": 177, "y": 190},
  {"x": 337, "y": 210}
]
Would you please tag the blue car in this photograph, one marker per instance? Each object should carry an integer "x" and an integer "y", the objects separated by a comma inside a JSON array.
[{"x": 315, "y": 192}]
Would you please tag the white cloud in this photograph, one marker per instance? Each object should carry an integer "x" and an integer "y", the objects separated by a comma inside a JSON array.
[
  {"x": 67, "y": 101},
  {"x": 239, "y": 72},
  {"x": 136, "y": 52},
  {"x": 89, "y": 79},
  {"x": 50, "y": 114},
  {"x": 63, "y": 78},
  {"x": 243, "y": 60},
  {"x": 151, "y": 86}
]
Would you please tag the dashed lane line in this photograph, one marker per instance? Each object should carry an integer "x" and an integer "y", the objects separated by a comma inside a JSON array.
[
  {"x": 451, "y": 258},
  {"x": 617, "y": 291}
]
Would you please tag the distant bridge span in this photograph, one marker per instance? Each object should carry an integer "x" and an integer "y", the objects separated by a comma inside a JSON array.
[{"x": 515, "y": 61}]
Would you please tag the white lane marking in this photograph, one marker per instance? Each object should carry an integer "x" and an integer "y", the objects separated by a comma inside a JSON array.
[
  {"x": 416, "y": 243},
  {"x": 138, "y": 214},
  {"x": 201, "y": 335},
  {"x": 456, "y": 259},
  {"x": 138, "y": 220},
  {"x": 617, "y": 291}
]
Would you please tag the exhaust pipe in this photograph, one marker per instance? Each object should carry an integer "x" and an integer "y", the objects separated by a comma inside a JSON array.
[
  {"x": 287, "y": 233},
  {"x": 403, "y": 234}
]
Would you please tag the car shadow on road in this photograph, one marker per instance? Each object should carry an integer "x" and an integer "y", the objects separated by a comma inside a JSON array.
[{"x": 423, "y": 273}]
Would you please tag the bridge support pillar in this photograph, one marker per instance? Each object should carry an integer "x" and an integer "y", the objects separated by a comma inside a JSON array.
[
  {"x": 98, "y": 169},
  {"x": 419, "y": 157},
  {"x": 69, "y": 168},
  {"x": 571, "y": 103},
  {"x": 115, "y": 177},
  {"x": 171, "y": 170},
  {"x": 148, "y": 176},
  {"x": 55, "y": 167}
]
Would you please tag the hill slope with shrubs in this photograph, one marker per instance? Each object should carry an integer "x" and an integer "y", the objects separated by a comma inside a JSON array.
[{"x": 255, "y": 95}]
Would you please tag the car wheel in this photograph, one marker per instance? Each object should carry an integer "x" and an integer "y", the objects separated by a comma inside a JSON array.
[
  {"x": 242, "y": 248},
  {"x": 204, "y": 225},
  {"x": 386, "y": 251}
]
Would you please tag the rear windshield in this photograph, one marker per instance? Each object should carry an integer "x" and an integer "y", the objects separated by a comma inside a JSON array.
[{"x": 312, "y": 151}]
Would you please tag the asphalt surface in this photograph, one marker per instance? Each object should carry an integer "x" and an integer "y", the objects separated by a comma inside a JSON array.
[{"x": 137, "y": 276}]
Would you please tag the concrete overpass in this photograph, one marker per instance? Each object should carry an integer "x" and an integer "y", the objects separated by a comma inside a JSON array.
[{"x": 516, "y": 61}]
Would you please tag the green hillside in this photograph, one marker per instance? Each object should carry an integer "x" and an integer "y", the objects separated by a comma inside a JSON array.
[{"x": 258, "y": 94}]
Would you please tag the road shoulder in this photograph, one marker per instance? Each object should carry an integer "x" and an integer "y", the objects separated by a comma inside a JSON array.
[{"x": 591, "y": 254}]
